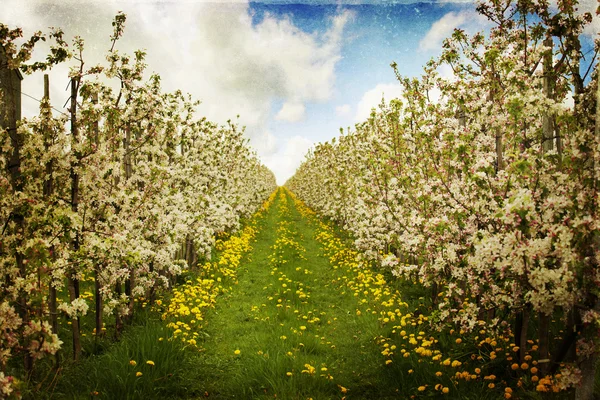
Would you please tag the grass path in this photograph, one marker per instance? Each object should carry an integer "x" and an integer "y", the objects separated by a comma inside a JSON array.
[
  {"x": 291, "y": 328},
  {"x": 285, "y": 311}
]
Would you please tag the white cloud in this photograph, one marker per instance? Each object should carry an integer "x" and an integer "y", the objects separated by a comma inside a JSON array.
[
  {"x": 435, "y": 95},
  {"x": 568, "y": 101},
  {"x": 343, "y": 110},
  {"x": 441, "y": 29},
  {"x": 285, "y": 162},
  {"x": 264, "y": 143},
  {"x": 291, "y": 112},
  {"x": 372, "y": 99},
  {"x": 212, "y": 50},
  {"x": 470, "y": 21}
]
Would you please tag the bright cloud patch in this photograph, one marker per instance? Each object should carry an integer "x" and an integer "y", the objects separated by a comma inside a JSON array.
[
  {"x": 372, "y": 99},
  {"x": 264, "y": 143},
  {"x": 291, "y": 112},
  {"x": 284, "y": 162},
  {"x": 343, "y": 110},
  {"x": 251, "y": 65},
  {"x": 441, "y": 29}
]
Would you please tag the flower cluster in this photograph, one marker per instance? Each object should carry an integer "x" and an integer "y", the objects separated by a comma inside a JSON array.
[{"x": 186, "y": 307}]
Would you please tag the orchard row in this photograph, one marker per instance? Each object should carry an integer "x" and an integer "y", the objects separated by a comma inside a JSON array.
[
  {"x": 128, "y": 188},
  {"x": 482, "y": 186}
]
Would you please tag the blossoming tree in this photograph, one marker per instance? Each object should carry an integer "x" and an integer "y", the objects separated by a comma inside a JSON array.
[
  {"x": 486, "y": 192},
  {"x": 127, "y": 187}
]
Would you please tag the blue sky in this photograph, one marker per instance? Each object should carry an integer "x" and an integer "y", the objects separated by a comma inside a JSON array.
[
  {"x": 295, "y": 71},
  {"x": 375, "y": 36}
]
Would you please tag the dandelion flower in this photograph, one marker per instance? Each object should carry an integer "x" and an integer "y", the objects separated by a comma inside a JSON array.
[
  {"x": 138, "y": 373},
  {"x": 150, "y": 362},
  {"x": 237, "y": 352},
  {"x": 541, "y": 388}
]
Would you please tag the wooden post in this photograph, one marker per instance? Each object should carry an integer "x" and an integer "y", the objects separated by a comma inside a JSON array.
[
  {"x": 548, "y": 87},
  {"x": 47, "y": 191},
  {"x": 95, "y": 137},
  {"x": 10, "y": 113},
  {"x": 10, "y": 85}
]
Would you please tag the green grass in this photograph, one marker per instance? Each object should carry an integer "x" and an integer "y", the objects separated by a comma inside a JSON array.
[
  {"x": 111, "y": 375},
  {"x": 262, "y": 319},
  {"x": 270, "y": 338}
]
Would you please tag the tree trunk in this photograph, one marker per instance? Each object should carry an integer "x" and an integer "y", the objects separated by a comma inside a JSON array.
[
  {"x": 75, "y": 161},
  {"x": 98, "y": 301},
  {"x": 118, "y": 320},
  {"x": 588, "y": 363},
  {"x": 128, "y": 165},
  {"x": 74, "y": 322},
  {"x": 544, "y": 343},
  {"x": 128, "y": 292},
  {"x": 521, "y": 331}
]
